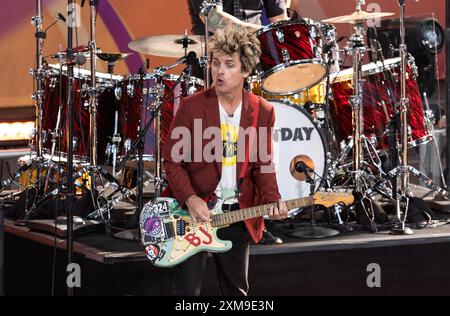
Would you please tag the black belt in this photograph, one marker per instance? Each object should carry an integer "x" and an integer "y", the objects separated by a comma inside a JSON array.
[{"x": 230, "y": 207}]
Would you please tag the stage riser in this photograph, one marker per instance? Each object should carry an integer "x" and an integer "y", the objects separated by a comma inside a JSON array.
[{"x": 420, "y": 269}]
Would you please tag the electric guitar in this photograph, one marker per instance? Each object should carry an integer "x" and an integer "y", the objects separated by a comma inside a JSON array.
[{"x": 170, "y": 236}]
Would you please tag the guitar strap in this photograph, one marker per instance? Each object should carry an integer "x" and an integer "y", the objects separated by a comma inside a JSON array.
[{"x": 252, "y": 137}]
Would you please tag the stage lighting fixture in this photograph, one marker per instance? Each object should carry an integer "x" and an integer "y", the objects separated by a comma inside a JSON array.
[
  {"x": 422, "y": 35},
  {"x": 424, "y": 38}
]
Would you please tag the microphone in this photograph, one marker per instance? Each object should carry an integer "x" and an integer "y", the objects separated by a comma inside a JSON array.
[
  {"x": 191, "y": 60},
  {"x": 301, "y": 166},
  {"x": 23, "y": 168},
  {"x": 61, "y": 17}
]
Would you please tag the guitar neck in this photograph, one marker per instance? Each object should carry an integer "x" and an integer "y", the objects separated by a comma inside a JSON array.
[{"x": 228, "y": 218}]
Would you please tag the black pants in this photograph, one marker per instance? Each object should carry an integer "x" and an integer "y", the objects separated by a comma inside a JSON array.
[{"x": 231, "y": 266}]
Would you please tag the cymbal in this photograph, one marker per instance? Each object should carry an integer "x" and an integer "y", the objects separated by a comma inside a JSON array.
[
  {"x": 357, "y": 17},
  {"x": 113, "y": 57},
  {"x": 167, "y": 45}
]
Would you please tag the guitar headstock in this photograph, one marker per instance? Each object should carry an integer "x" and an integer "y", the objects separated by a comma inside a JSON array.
[{"x": 329, "y": 199}]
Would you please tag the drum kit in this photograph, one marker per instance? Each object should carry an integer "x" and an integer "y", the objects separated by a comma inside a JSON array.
[{"x": 322, "y": 113}]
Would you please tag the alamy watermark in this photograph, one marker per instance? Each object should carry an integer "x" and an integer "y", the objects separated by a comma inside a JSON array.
[
  {"x": 373, "y": 8},
  {"x": 74, "y": 275},
  {"x": 74, "y": 15},
  {"x": 373, "y": 280}
]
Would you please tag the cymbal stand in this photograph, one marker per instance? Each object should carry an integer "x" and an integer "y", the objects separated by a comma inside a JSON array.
[
  {"x": 93, "y": 93},
  {"x": 38, "y": 95},
  {"x": 403, "y": 168},
  {"x": 38, "y": 74},
  {"x": 206, "y": 8},
  {"x": 158, "y": 92},
  {"x": 357, "y": 49},
  {"x": 362, "y": 171}
]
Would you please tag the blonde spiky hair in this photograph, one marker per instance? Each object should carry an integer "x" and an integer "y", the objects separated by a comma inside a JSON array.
[{"x": 236, "y": 39}]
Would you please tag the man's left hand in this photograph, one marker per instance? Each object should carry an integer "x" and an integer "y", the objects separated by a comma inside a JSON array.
[{"x": 278, "y": 212}]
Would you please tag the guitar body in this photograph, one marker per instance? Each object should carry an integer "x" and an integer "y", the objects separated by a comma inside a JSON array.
[{"x": 169, "y": 235}]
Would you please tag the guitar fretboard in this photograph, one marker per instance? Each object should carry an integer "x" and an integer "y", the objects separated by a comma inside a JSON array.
[{"x": 228, "y": 218}]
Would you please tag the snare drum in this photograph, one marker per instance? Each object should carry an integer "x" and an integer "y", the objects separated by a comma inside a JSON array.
[
  {"x": 291, "y": 56},
  {"x": 58, "y": 165},
  {"x": 381, "y": 92}
]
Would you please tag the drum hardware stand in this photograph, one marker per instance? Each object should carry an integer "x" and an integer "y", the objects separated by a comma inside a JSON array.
[
  {"x": 38, "y": 73},
  {"x": 70, "y": 97},
  {"x": 313, "y": 231},
  {"x": 206, "y": 8},
  {"x": 38, "y": 95},
  {"x": 403, "y": 169},
  {"x": 357, "y": 48},
  {"x": 430, "y": 124},
  {"x": 116, "y": 140},
  {"x": 139, "y": 142},
  {"x": 93, "y": 93},
  {"x": 55, "y": 136},
  {"x": 360, "y": 141}
]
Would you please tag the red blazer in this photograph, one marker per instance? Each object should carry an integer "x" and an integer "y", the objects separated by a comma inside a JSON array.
[{"x": 187, "y": 178}]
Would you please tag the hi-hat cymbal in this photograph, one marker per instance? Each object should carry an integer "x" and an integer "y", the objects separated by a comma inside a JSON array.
[
  {"x": 167, "y": 45},
  {"x": 113, "y": 57},
  {"x": 357, "y": 17}
]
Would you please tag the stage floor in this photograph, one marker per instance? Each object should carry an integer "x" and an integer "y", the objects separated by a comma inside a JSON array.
[{"x": 413, "y": 264}]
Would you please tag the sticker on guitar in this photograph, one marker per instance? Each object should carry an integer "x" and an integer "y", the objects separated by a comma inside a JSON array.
[{"x": 196, "y": 241}]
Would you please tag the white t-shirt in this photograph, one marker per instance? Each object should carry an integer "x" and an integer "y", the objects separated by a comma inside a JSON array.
[{"x": 229, "y": 126}]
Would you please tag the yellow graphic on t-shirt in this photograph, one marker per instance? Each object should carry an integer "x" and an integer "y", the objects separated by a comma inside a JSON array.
[{"x": 230, "y": 138}]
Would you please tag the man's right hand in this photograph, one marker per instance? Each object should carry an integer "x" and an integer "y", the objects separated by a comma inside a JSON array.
[{"x": 198, "y": 209}]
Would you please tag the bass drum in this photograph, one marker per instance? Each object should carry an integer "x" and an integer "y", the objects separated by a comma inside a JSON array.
[{"x": 296, "y": 137}]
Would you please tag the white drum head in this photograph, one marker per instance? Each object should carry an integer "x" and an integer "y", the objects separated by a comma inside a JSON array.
[
  {"x": 295, "y": 135},
  {"x": 293, "y": 78}
]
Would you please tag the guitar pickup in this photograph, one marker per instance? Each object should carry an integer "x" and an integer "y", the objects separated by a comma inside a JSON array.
[{"x": 181, "y": 227}]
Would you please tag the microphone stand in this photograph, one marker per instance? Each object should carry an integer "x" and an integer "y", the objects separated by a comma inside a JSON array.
[
  {"x": 206, "y": 9},
  {"x": 312, "y": 232},
  {"x": 70, "y": 94},
  {"x": 139, "y": 142},
  {"x": 404, "y": 189},
  {"x": 39, "y": 75}
]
